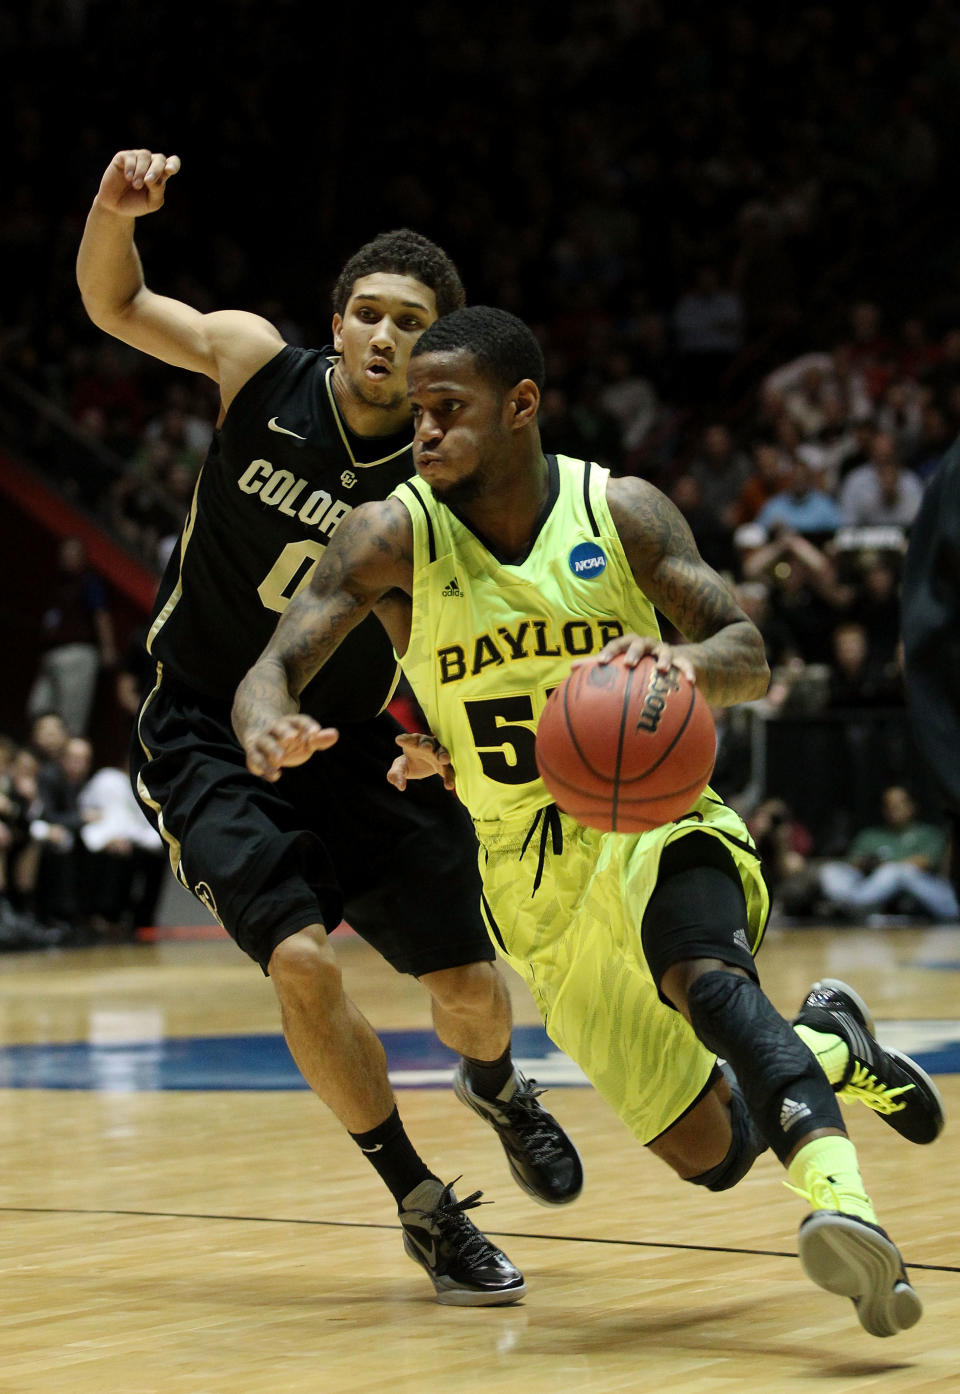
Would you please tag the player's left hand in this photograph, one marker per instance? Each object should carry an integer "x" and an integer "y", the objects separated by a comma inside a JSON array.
[
  {"x": 634, "y": 646},
  {"x": 288, "y": 741},
  {"x": 421, "y": 757}
]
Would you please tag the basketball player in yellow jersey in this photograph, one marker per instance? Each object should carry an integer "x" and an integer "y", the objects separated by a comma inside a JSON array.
[{"x": 492, "y": 572}]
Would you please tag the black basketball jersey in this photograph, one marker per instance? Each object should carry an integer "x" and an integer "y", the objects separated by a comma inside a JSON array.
[{"x": 282, "y": 472}]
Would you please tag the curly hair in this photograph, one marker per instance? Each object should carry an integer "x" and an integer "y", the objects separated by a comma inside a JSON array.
[
  {"x": 504, "y": 347},
  {"x": 406, "y": 253}
]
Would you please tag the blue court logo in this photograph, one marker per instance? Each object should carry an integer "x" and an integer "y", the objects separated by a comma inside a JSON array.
[{"x": 587, "y": 560}]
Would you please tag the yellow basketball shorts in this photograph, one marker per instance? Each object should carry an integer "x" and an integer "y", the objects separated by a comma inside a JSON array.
[{"x": 575, "y": 940}]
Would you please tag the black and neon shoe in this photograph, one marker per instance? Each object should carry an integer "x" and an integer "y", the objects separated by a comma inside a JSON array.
[
  {"x": 884, "y": 1079},
  {"x": 465, "y": 1268},
  {"x": 543, "y": 1160}
]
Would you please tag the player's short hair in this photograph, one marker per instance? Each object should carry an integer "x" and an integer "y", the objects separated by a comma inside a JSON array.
[
  {"x": 504, "y": 347},
  {"x": 405, "y": 253}
]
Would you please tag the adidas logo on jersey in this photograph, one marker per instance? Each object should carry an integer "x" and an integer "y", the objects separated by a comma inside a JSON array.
[
  {"x": 452, "y": 588},
  {"x": 791, "y": 1111},
  {"x": 740, "y": 938}
]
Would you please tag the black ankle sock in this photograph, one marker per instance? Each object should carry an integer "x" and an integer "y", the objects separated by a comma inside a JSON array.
[
  {"x": 391, "y": 1153},
  {"x": 487, "y": 1077}
]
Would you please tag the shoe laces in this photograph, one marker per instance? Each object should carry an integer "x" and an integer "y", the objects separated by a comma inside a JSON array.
[
  {"x": 454, "y": 1228},
  {"x": 536, "y": 1132},
  {"x": 823, "y": 1192},
  {"x": 882, "y": 1098}
]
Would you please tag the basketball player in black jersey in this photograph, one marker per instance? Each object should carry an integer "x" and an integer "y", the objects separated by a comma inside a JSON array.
[{"x": 303, "y": 437}]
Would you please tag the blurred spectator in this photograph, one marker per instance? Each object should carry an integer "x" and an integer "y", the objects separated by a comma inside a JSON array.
[
  {"x": 708, "y": 332},
  {"x": 764, "y": 481},
  {"x": 944, "y": 375},
  {"x": 931, "y": 444},
  {"x": 896, "y": 867},
  {"x": 48, "y": 737},
  {"x": 800, "y": 507},
  {"x": 806, "y": 594},
  {"x": 871, "y": 350},
  {"x": 876, "y": 603},
  {"x": 785, "y": 846},
  {"x": 182, "y": 425},
  {"x": 122, "y": 858},
  {"x": 22, "y": 805},
  {"x": 134, "y": 670},
  {"x": 881, "y": 492},
  {"x": 630, "y": 398},
  {"x": 54, "y": 828},
  {"x": 78, "y": 639},
  {"x": 859, "y": 677},
  {"x": 595, "y": 431},
  {"x": 110, "y": 385},
  {"x": 720, "y": 470},
  {"x": 829, "y": 451}
]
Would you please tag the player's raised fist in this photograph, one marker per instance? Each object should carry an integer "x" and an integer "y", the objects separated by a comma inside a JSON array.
[{"x": 134, "y": 181}]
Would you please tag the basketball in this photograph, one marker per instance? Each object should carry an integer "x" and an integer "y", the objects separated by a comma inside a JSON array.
[{"x": 626, "y": 749}]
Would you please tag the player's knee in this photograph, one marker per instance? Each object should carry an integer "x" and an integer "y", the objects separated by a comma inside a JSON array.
[
  {"x": 304, "y": 971},
  {"x": 720, "y": 1003},
  {"x": 473, "y": 988},
  {"x": 680, "y": 977},
  {"x": 746, "y": 1145}
]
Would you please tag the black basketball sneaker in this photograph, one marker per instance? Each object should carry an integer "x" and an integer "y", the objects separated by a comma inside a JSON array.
[
  {"x": 465, "y": 1268},
  {"x": 543, "y": 1160},
  {"x": 880, "y": 1077}
]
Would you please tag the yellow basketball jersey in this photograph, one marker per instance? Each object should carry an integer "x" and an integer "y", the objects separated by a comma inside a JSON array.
[{"x": 490, "y": 640}]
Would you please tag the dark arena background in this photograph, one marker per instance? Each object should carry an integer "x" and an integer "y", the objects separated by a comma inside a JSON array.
[{"x": 732, "y": 230}]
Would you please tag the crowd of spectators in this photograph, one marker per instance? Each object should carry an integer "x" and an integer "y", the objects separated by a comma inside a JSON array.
[
  {"x": 78, "y": 861},
  {"x": 726, "y": 226}
]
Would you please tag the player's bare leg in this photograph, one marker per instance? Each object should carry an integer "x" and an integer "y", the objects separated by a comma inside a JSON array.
[
  {"x": 334, "y": 1046},
  {"x": 341, "y": 1058},
  {"x": 472, "y": 1015}
]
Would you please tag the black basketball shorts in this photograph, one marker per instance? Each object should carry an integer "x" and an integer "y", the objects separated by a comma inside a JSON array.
[
  {"x": 331, "y": 840},
  {"x": 698, "y": 900}
]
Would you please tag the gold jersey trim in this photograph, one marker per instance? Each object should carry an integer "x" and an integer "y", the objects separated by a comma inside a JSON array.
[
  {"x": 173, "y": 845},
  {"x": 357, "y": 464},
  {"x": 173, "y": 599}
]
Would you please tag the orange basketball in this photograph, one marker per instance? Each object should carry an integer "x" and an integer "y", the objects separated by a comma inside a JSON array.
[{"x": 626, "y": 749}]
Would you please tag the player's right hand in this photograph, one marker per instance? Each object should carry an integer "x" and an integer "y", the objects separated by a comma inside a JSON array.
[
  {"x": 288, "y": 741},
  {"x": 134, "y": 181}
]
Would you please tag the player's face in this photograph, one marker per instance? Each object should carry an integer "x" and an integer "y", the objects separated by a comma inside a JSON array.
[
  {"x": 383, "y": 319},
  {"x": 460, "y": 425}
]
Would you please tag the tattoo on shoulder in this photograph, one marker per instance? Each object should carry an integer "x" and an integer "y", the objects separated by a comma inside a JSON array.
[{"x": 666, "y": 562}]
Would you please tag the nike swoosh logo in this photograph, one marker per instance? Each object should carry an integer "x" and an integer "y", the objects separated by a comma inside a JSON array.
[
  {"x": 272, "y": 425},
  {"x": 429, "y": 1251},
  {"x": 378, "y": 1147}
]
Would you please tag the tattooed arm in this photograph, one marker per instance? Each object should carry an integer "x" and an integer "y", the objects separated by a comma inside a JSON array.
[
  {"x": 724, "y": 651},
  {"x": 369, "y": 559}
]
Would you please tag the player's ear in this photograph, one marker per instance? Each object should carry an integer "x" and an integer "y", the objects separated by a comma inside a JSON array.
[
  {"x": 337, "y": 335},
  {"x": 524, "y": 403}
]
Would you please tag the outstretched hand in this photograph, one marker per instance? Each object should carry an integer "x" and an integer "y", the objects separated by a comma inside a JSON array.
[
  {"x": 422, "y": 756},
  {"x": 289, "y": 741},
  {"x": 134, "y": 182}
]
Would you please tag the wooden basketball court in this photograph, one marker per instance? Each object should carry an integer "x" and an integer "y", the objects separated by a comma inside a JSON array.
[{"x": 208, "y": 1236}]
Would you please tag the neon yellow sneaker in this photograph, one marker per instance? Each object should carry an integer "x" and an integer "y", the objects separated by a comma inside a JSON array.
[{"x": 884, "y": 1079}]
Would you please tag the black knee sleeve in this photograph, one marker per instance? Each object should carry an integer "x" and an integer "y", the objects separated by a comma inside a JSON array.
[
  {"x": 745, "y": 1147},
  {"x": 786, "y": 1092}
]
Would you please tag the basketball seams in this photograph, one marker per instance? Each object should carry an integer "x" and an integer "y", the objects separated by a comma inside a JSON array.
[
  {"x": 624, "y": 712},
  {"x": 570, "y": 694},
  {"x": 588, "y": 732}
]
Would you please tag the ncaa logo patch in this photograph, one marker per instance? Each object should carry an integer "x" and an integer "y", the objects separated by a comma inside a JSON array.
[{"x": 587, "y": 560}]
